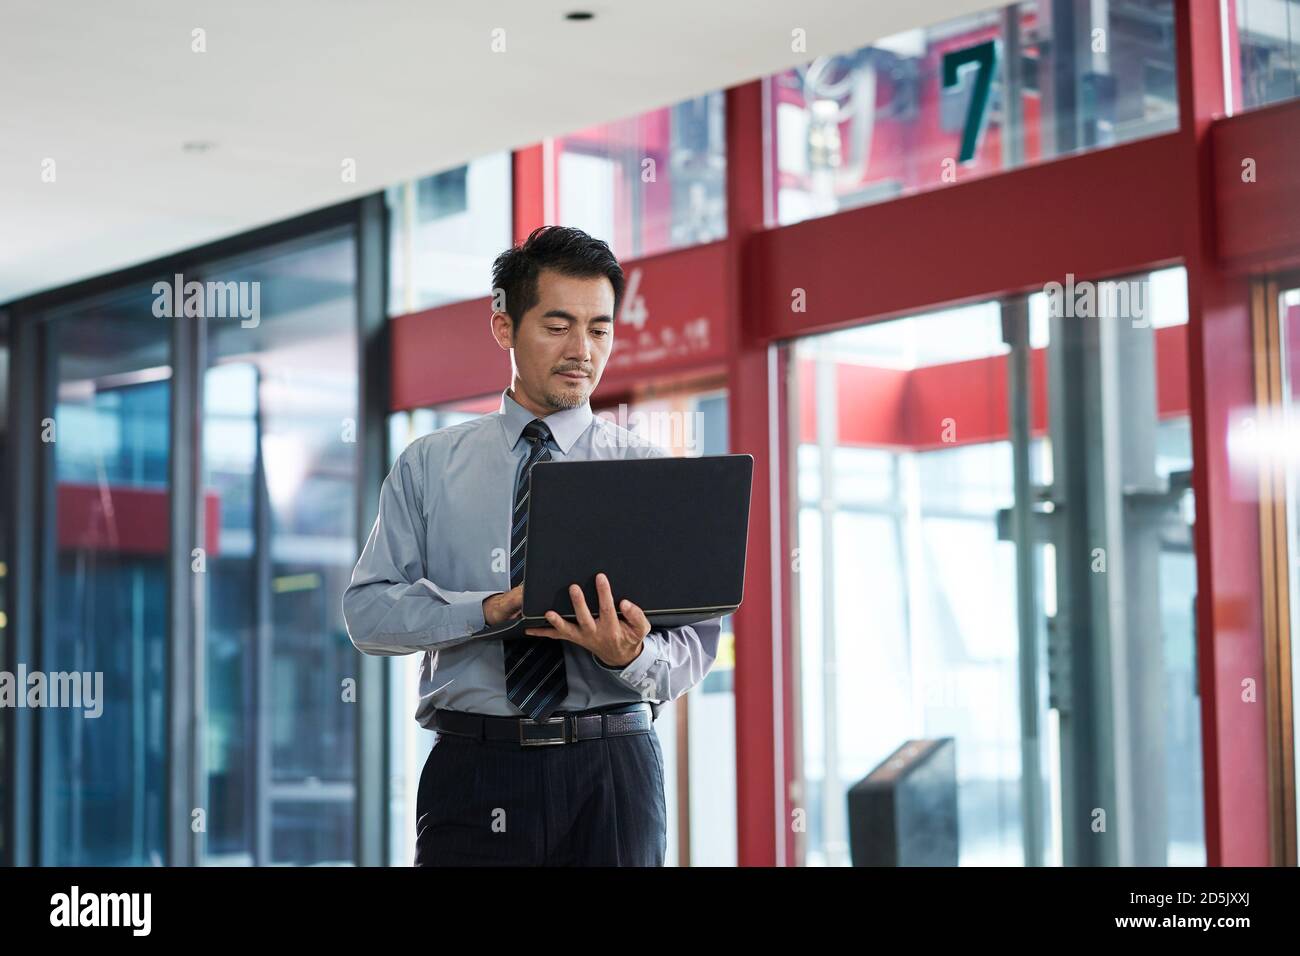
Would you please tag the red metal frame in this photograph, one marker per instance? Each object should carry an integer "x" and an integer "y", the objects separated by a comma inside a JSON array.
[
  {"x": 125, "y": 519},
  {"x": 1128, "y": 209},
  {"x": 527, "y": 181},
  {"x": 765, "y": 717},
  {"x": 1230, "y": 642}
]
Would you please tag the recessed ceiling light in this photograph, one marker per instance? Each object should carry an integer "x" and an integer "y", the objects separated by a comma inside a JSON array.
[
  {"x": 579, "y": 15},
  {"x": 198, "y": 145}
]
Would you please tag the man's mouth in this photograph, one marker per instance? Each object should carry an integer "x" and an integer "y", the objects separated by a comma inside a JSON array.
[{"x": 576, "y": 376}]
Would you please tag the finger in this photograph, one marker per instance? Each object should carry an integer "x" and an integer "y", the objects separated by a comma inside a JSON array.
[
  {"x": 542, "y": 631},
  {"x": 580, "y": 608},
  {"x": 560, "y": 628},
  {"x": 605, "y": 597},
  {"x": 636, "y": 617}
]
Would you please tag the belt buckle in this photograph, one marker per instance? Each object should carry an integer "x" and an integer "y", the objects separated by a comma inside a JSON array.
[{"x": 540, "y": 741}]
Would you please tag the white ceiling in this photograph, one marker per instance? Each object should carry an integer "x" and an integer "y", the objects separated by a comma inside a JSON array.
[{"x": 288, "y": 89}]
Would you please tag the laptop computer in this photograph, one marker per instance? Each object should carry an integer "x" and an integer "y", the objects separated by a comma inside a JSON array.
[{"x": 669, "y": 533}]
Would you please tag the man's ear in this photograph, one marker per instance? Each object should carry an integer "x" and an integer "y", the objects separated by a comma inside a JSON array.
[{"x": 503, "y": 330}]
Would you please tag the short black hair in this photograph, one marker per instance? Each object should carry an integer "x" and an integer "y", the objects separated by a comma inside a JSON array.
[{"x": 563, "y": 249}]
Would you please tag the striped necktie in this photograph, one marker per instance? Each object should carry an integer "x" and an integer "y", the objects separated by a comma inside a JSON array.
[{"x": 535, "y": 679}]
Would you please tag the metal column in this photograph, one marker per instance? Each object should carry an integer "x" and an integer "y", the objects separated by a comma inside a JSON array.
[
  {"x": 1015, "y": 332},
  {"x": 1078, "y": 637},
  {"x": 186, "y": 783}
]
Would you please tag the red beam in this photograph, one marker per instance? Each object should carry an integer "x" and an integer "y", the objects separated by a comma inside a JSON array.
[
  {"x": 445, "y": 354},
  {"x": 1106, "y": 213}
]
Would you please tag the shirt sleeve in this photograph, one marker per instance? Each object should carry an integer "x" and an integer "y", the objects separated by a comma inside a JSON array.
[
  {"x": 672, "y": 660},
  {"x": 391, "y": 607}
]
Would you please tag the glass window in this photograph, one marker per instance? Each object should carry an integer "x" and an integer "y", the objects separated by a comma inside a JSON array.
[
  {"x": 104, "y": 762},
  {"x": 909, "y": 607},
  {"x": 969, "y": 97},
  {"x": 445, "y": 230},
  {"x": 279, "y": 466},
  {"x": 647, "y": 184},
  {"x": 1268, "y": 50}
]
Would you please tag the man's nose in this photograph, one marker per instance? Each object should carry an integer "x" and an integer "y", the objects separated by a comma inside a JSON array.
[{"x": 578, "y": 348}]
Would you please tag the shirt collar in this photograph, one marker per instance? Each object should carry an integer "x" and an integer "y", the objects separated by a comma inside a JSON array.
[{"x": 566, "y": 425}]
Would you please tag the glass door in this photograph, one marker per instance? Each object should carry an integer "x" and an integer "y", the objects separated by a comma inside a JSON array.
[
  {"x": 904, "y": 589},
  {"x": 1115, "y": 510},
  {"x": 994, "y": 547}
]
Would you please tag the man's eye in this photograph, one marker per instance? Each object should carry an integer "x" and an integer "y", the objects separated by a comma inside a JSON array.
[
  {"x": 559, "y": 328},
  {"x": 601, "y": 332}
]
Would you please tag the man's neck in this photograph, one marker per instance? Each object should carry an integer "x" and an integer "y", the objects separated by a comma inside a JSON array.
[{"x": 525, "y": 403}]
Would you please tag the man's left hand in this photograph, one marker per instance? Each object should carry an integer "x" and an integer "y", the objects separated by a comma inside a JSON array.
[{"x": 616, "y": 641}]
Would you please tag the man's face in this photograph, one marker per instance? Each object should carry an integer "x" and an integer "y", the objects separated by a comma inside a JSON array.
[{"x": 563, "y": 342}]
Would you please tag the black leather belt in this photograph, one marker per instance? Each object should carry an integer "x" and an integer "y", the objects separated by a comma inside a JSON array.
[{"x": 559, "y": 728}]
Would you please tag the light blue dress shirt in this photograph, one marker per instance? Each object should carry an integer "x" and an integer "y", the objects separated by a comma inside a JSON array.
[{"x": 441, "y": 544}]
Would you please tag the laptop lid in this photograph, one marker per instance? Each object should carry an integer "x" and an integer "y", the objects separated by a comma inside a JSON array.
[{"x": 670, "y": 534}]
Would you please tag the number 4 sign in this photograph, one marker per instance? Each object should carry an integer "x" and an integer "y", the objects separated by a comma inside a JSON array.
[{"x": 634, "y": 311}]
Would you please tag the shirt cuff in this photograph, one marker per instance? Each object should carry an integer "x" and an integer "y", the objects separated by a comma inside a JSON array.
[
  {"x": 634, "y": 673},
  {"x": 464, "y": 608}
]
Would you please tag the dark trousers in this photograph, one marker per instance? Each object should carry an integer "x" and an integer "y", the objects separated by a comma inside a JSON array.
[{"x": 589, "y": 803}]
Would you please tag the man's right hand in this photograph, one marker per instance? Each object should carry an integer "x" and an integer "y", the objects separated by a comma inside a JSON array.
[{"x": 503, "y": 606}]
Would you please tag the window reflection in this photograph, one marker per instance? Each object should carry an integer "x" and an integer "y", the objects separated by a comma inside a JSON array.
[
  {"x": 646, "y": 184},
  {"x": 103, "y": 778},
  {"x": 279, "y": 454},
  {"x": 1267, "y": 39},
  {"x": 969, "y": 97},
  {"x": 445, "y": 231}
]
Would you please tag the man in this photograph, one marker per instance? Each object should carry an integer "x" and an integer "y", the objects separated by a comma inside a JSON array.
[{"x": 546, "y": 753}]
